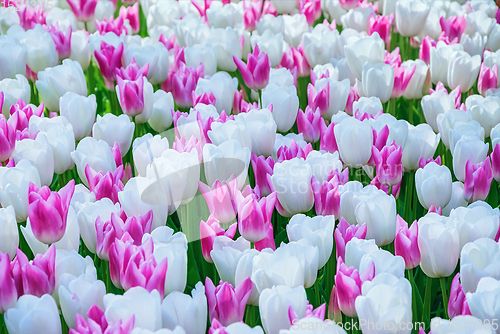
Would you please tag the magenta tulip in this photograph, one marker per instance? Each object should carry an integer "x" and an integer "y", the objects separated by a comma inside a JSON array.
[
  {"x": 295, "y": 59},
  {"x": 48, "y": 211},
  {"x": 453, "y": 27},
  {"x": 225, "y": 303},
  {"x": 7, "y": 138},
  {"x": 109, "y": 59},
  {"x": 220, "y": 199},
  {"x": 83, "y": 9},
  {"x": 457, "y": 304},
  {"x": 326, "y": 196},
  {"x": 132, "y": 15},
  {"x": 382, "y": 25},
  {"x": 388, "y": 164},
  {"x": 132, "y": 95},
  {"x": 8, "y": 292},
  {"x": 402, "y": 77},
  {"x": 254, "y": 216},
  {"x": 309, "y": 124},
  {"x": 97, "y": 323},
  {"x": 495, "y": 162},
  {"x": 328, "y": 142},
  {"x": 116, "y": 26},
  {"x": 20, "y": 114},
  {"x": 132, "y": 72},
  {"x": 256, "y": 71},
  {"x": 268, "y": 241},
  {"x": 35, "y": 277},
  {"x": 488, "y": 79},
  {"x": 344, "y": 233},
  {"x": 406, "y": 243},
  {"x": 478, "y": 179},
  {"x": 61, "y": 40},
  {"x": 208, "y": 232},
  {"x": 105, "y": 185},
  {"x": 263, "y": 170},
  {"x": 319, "y": 98},
  {"x": 293, "y": 151}
]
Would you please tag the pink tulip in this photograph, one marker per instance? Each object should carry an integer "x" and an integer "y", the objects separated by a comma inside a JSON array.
[
  {"x": 488, "y": 79},
  {"x": 382, "y": 25},
  {"x": 131, "y": 14},
  {"x": 326, "y": 196},
  {"x": 131, "y": 95},
  {"x": 251, "y": 14},
  {"x": 453, "y": 27},
  {"x": 309, "y": 124},
  {"x": 254, "y": 216},
  {"x": 402, "y": 77},
  {"x": 220, "y": 199},
  {"x": 183, "y": 145},
  {"x": 183, "y": 83},
  {"x": 319, "y": 99},
  {"x": 295, "y": 58},
  {"x": 380, "y": 138},
  {"x": 406, "y": 243},
  {"x": 7, "y": 137},
  {"x": 328, "y": 142},
  {"x": 433, "y": 208},
  {"x": 495, "y": 162},
  {"x": 366, "y": 115},
  {"x": 389, "y": 190},
  {"x": 8, "y": 292},
  {"x": 225, "y": 303},
  {"x": 20, "y": 114},
  {"x": 116, "y": 26},
  {"x": 392, "y": 58},
  {"x": 422, "y": 162},
  {"x": 217, "y": 328},
  {"x": 293, "y": 151},
  {"x": 456, "y": 93},
  {"x": 388, "y": 163},
  {"x": 314, "y": 78},
  {"x": 132, "y": 72},
  {"x": 61, "y": 40},
  {"x": 353, "y": 97},
  {"x": 115, "y": 228},
  {"x": 263, "y": 169},
  {"x": 35, "y": 277},
  {"x": 208, "y": 232},
  {"x": 344, "y": 233},
  {"x": 348, "y": 282},
  {"x": 109, "y": 59},
  {"x": 457, "y": 304},
  {"x": 97, "y": 324},
  {"x": 268, "y": 241},
  {"x": 117, "y": 155},
  {"x": 48, "y": 211},
  {"x": 318, "y": 313},
  {"x": 29, "y": 19},
  {"x": 83, "y": 9},
  {"x": 334, "y": 312},
  {"x": 311, "y": 10},
  {"x": 105, "y": 185},
  {"x": 168, "y": 42},
  {"x": 425, "y": 49},
  {"x": 132, "y": 266},
  {"x": 478, "y": 179},
  {"x": 256, "y": 71},
  {"x": 205, "y": 98}
]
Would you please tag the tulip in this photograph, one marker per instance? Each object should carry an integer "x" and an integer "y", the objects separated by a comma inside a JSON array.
[
  {"x": 457, "y": 305},
  {"x": 61, "y": 40},
  {"x": 136, "y": 98},
  {"x": 488, "y": 79},
  {"x": 40, "y": 49},
  {"x": 324, "y": 71},
  {"x": 382, "y": 25},
  {"x": 96, "y": 153},
  {"x": 184, "y": 82},
  {"x": 111, "y": 129},
  {"x": 406, "y": 243},
  {"x": 254, "y": 216},
  {"x": 309, "y": 124},
  {"x": 231, "y": 129},
  {"x": 384, "y": 262},
  {"x": 228, "y": 46},
  {"x": 144, "y": 305},
  {"x": 474, "y": 45},
  {"x": 109, "y": 58},
  {"x": 14, "y": 90},
  {"x": 435, "y": 104},
  {"x": 428, "y": 180},
  {"x": 262, "y": 128},
  {"x": 440, "y": 57},
  {"x": 478, "y": 179},
  {"x": 378, "y": 80},
  {"x": 460, "y": 63},
  {"x": 292, "y": 182},
  {"x": 295, "y": 58},
  {"x": 83, "y": 10},
  {"x": 105, "y": 185},
  {"x": 453, "y": 26},
  {"x": 7, "y": 137},
  {"x": 270, "y": 44},
  {"x": 433, "y": 238},
  {"x": 495, "y": 162},
  {"x": 13, "y": 62},
  {"x": 388, "y": 164},
  {"x": 80, "y": 112},
  {"x": 468, "y": 148},
  {"x": 225, "y": 303},
  {"x": 482, "y": 302},
  {"x": 161, "y": 115},
  {"x": 32, "y": 314},
  {"x": 385, "y": 297},
  {"x": 9, "y": 296},
  {"x": 54, "y": 82},
  {"x": 223, "y": 88},
  {"x": 132, "y": 15},
  {"x": 329, "y": 96},
  {"x": 208, "y": 232},
  {"x": 326, "y": 196},
  {"x": 35, "y": 277},
  {"x": 97, "y": 321},
  {"x": 202, "y": 54},
  {"x": 316, "y": 231},
  {"x": 274, "y": 304},
  {"x": 39, "y": 153},
  {"x": 220, "y": 199},
  {"x": 226, "y": 254},
  {"x": 155, "y": 55},
  {"x": 316, "y": 48},
  {"x": 485, "y": 111},
  {"x": 367, "y": 49},
  {"x": 348, "y": 282},
  {"x": 344, "y": 233},
  {"x": 285, "y": 104},
  {"x": 262, "y": 168},
  {"x": 146, "y": 148},
  {"x": 353, "y": 133},
  {"x": 421, "y": 141},
  {"x": 9, "y": 234}
]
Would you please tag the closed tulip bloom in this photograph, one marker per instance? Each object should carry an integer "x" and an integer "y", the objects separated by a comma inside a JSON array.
[
  {"x": 358, "y": 19},
  {"x": 109, "y": 58},
  {"x": 146, "y": 148},
  {"x": 478, "y": 179},
  {"x": 488, "y": 79},
  {"x": 386, "y": 298},
  {"x": 356, "y": 249},
  {"x": 228, "y": 46},
  {"x": 337, "y": 94},
  {"x": 485, "y": 111},
  {"x": 80, "y": 112},
  {"x": 105, "y": 185},
  {"x": 54, "y": 82},
  {"x": 435, "y": 104},
  {"x": 292, "y": 182},
  {"x": 362, "y": 50},
  {"x": 457, "y": 304},
  {"x": 459, "y": 64},
  {"x": 263, "y": 167},
  {"x": 433, "y": 183},
  {"x": 326, "y": 196},
  {"x": 411, "y": 17},
  {"x": 378, "y": 80},
  {"x": 285, "y": 104},
  {"x": 295, "y": 58},
  {"x": 474, "y": 45},
  {"x": 256, "y": 72},
  {"x": 205, "y": 54},
  {"x": 223, "y": 86},
  {"x": 13, "y": 61},
  {"x": 262, "y": 128},
  {"x": 406, "y": 243},
  {"x": 33, "y": 314},
  {"x": 319, "y": 46},
  {"x": 48, "y": 211},
  {"x": 420, "y": 142},
  {"x": 161, "y": 115},
  {"x": 420, "y": 82},
  {"x": 309, "y": 124},
  {"x": 226, "y": 303},
  {"x": 254, "y": 216},
  {"x": 83, "y": 10},
  {"x": 453, "y": 26},
  {"x": 136, "y": 98},
  {"x": 13, "y": 90},
  {"x": 36, "y": 277},
  {"x": 114, "y": 129},
  {"x": 388, "y": 164},
  {"x": 479, "y": 259},
  {"x": 80, "y": 50},
  {"x": 39, "y": 153},
  {"x": 231, "y": 129},
  {"x": 41, "y": 49},
  {"x": 468, "y": 148},
  {"x": 155, "y": 55},
  {"x": 483, "y": 303},
  {"x": 349, "y": 282},
  {"x": 144, "y": 305},
  {"x": 440, "y": 57},
  {"x": 221, "y": 199},
  {"x": 384, "y": 262},
  {"x": 434, "y": 239},
  {"x": 96, "y": 153},
  {"x": 353, "y": 133},
  {"x": 8, "y": 297},
  {"x": 274, "y": 304}
]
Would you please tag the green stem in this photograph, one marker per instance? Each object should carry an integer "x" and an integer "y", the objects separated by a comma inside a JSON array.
[
  {"x": 413, "y": 295},
  {"x": 443, "y": 282},
  {"x": 427, "y": 301}
]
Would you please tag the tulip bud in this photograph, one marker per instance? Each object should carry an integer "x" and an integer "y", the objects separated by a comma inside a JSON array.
[
  {"x": 406, "y": 243},
  {"x": 478, "y": 179},
  {"x": 353, "y": 133},
  {"x": 225, "y": 303}
]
